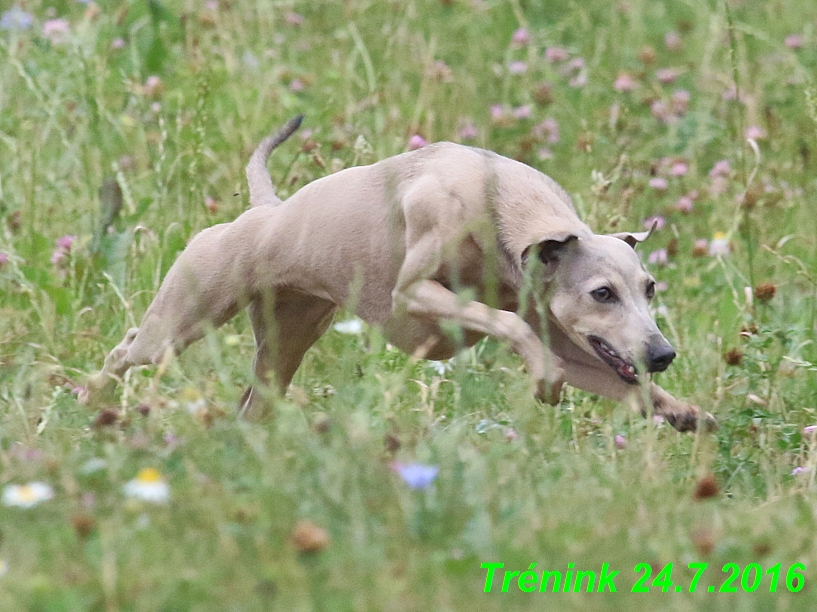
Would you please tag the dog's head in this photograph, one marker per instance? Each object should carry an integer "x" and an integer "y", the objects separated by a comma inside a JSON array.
[{"x": 599, "y": 295}]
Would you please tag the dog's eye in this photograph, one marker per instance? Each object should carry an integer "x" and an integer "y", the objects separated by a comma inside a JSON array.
[
  {"x": 604, "y": 295},
  {"x": 650, "y": 290}
]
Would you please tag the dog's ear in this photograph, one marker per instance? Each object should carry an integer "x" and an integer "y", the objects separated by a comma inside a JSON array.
[
  {"x": 549, "y": 249},
  {"x": 635, "y": 238}
]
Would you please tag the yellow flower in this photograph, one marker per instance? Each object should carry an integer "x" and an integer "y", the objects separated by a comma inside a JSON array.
[
  {"x": 149, "y": 485},
  {"x": 28, "y": 495}
]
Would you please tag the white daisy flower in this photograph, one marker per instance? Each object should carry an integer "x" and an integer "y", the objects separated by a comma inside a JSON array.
[
  {"x": 27, "y": 495},
  {"x": 353, "y": 327},
  {"x": 149, "y": 485}
]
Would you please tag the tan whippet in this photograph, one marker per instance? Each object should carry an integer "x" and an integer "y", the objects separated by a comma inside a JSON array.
[{"x": 394, "y": 241}]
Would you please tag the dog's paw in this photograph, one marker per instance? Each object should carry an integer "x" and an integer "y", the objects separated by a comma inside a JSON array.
[
  {"x": 549, "y": 392},
  {"x": 686, "y": 417}
]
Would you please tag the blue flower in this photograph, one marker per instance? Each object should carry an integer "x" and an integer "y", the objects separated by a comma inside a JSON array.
[
  {"x": 15, "y": 19},
  {"x": 417, "y": 475}
]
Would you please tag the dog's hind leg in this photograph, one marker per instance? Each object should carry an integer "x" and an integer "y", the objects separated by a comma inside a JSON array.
[
  {"x": 284, "y": 330},
  {"x": 203, "y": 289}
]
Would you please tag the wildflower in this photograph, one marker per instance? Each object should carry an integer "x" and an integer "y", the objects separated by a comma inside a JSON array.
[
  {"x": 543, "y": 153},
  {"x": 719, "y": 245},
  {"x": 521, "y": 37},
  {"x": 799, "y": 470},
  {"x": 468, "y": 131},
  {"x": 733, "y": 357},
  {"x": 659, "y": 183},
  {"x": 755, "y": 132},
  {"x": 416, "y": 475},
  {"x": 28, "y": 495},
  {"x": 700, "y": 248},
  {"x": 497, "y": 112},
  {"x": 351, "y": 326},
  {"x": 794, "y": 41},
  {"x": 522, "y": 112},
  {"x": 118, "y": 43},
  {"x": 416, "y": 142},
  {"x": 656, "y": 220},
  {"x": 16, "y": 19},
  {"x": 707, "y": 487},
  {"x": 440, "y": 71},
  {"x": 666, "y": 75},
  {"x": 678, "y": 169},
  {"x": 548, "y": 128},
  {"x": 153, "y": 87},
  {"x": 625, "y": 82},
  {"x": 511, "y": 435},
  {"x": 718, "y": 186},
  {"x": 294, "y": 19},
  {"x": 684, "y": 204},
  {"x": 296, "y": 85},
  {"x": 646, "y": 55},
  {"x": 809, "y": 429},
  {"x": 149, "y": 486},
  {"x": 673, "y": 41},
  {"x": 556, "y": 55},
  {"x": 620, "y": 442},
  {"x": 661, "y": 111},
  {"x": 56, "y": 30},
  {"x": 64, "y": 245},
  {"x": 580, "y": 80},
  {"x": 721, "y": 168},
  {"x": 661, "y": 286},
  {"x": 4, "y": 258},
  {"x": 309, "y": 537},
  {"x": 517, "y": 67},
  {"x": 680, "y": 101},
  {"x": 764, "y": 292},
  {"x": 659, "y": 257}
]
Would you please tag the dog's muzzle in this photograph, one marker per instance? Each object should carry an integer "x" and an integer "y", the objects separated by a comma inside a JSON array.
[
  {"x": 625, "y": 368},
  {"x": 659, "y": 356}
]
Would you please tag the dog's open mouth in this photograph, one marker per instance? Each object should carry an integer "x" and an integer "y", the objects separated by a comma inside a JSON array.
[{"x": 624, "y": 368}]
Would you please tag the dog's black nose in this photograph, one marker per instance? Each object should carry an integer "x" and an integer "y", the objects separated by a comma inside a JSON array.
[{"x": 659, "y": 357}]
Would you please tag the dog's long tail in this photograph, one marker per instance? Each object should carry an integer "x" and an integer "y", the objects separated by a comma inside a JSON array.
[{"x": 262, "y": 190}]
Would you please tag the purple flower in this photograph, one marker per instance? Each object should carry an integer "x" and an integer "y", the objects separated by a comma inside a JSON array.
[
  {"x": 673, "y": 41},
  {"x": 666, "y": 75},
  {"x": 621, "y": 442},
  {"x": 680, "y": 101},
  {"x": 556, "y": 55},
  {"x": 809, "y": 429},
  {"x": 65, "y": 242},
  {"x": 15, "y": 19},
  {"x": 4, "y": 258},
  {"x": 625, "y": 82},
  {"x": 523, "y": 112},
  {"x": 661, "y": 286},
  {"x": 719, "y": 245},
  {"x": 56, "y": 30},
  {"x": 661, "y": 111},
  {"x": 580, "y": 80},
  {"x": 659, "y": 183},
  {"x": 657, "y": 220},
  {"x": 416, "y": 142},
  {"x": 517, "y": 67},
  {"x": 521, "y": 37},
  {"x": 659, "y": 257},
  {"x": 684, "y": 204},
  {"x": 468, "y": 131},
  {"x": 294, "y": 19},
  {"x": 799, "y": 470},
  {"x": 548, "y": 128},
  {"x": 678, "y": 169},
  {"x": 794, "y": 41},
  {"x": 721, "y": 168},
  {"x": 755, "y": 132},
  {"x": 497, "y": 112},
  {"x": 416, "y": 475},
  {"x": 118, "y": 43},
  {"x": 296, "y": 85}
]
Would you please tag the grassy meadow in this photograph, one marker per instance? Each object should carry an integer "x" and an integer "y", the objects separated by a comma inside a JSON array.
[{"x": 124, "y": 129}]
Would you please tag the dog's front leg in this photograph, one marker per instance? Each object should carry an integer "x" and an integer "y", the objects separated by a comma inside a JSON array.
[
  {"x": 683, "y": 416},
  {"x": 429, "y": 299}
]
